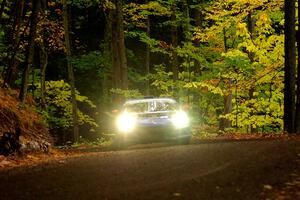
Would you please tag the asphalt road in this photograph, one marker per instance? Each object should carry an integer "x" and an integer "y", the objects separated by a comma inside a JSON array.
[{"x": 220, "y": 170}]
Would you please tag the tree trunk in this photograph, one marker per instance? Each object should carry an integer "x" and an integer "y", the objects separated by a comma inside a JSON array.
[
  {"x": 225, "y": 40},
  {"x": 12, "y": 71},
  {"x": 119, "y": 60},
  {"x": 44, "y": 5},
  {"x": 289, "y": 69},
  {"x": 116, "y": 66},
  {"x": 225, "y": 123},
  {"x": 199, "y": 24},
  {"x": 187, "y": 38},
  {"x": 174, "y": 35},
  {"x": 187, "y": 26},
  {"x": 197, "y": 65},
  {"x": 43, "y": 63},
  {"x": 122, "y": 48},
  {"x": 147, "y": 58},
  {"x": 70, "y": 70},
  {"x": 297, "y": 117},
  {"x": 198, "y": 14},
  {"x": 30, "y": 51},
  {"x": 250, "y": 26}
]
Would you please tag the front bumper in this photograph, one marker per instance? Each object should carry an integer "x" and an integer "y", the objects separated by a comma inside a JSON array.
[{"x": 155, "y": 133}]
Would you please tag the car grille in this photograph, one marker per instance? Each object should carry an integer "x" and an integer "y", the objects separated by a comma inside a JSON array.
[{"x": 154, "y": 115}]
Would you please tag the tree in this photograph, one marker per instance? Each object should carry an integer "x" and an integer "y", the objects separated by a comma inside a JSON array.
[
  {"x": 289, "y": 69},
  {"x": 14, "y": 38},
  {"x": 66, "y": 16},
  {"x": 174, "y": 36},
  {"x": 224, "y": 57},
  {"x": 30, "y": 49},
  {"x": 43, "y": 59},
  {"x": 119, "y": 60},
  {"x": 226, "y": 123},
  {"x": 137, "y": 18},
  {"x": 147, "y": 58},
  {"x": 297, "y": 117},
  {"x": 252, "y": 58}
]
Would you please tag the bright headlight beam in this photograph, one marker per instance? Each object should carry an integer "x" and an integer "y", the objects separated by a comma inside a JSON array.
[
  {"x": 180, "y": 119},
  {"x": 126, "y": 122}
]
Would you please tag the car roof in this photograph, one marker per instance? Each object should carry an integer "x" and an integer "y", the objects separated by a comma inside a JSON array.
[{"x": 134, "y": 101}]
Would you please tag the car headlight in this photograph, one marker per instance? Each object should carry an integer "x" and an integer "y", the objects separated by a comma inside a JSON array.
[
  {"x": 180, "y": 119},
  {"x": 126, "y": 122}
]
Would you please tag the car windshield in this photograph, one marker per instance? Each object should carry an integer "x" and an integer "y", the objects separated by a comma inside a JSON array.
[{"x": 150, "y": 106}]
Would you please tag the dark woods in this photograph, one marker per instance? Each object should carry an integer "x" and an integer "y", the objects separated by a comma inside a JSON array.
[{"x": 226, "y": 59}]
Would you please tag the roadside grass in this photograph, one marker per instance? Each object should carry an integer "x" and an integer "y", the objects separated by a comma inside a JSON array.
[{"x": 99, "y": 142}]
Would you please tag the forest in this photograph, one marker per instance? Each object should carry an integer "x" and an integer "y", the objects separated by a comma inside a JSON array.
[{"x": 227, "y": 60}]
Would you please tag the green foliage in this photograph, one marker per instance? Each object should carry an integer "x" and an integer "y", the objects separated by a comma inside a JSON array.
[
  {"x": 230, "y": 59},
  {"x": 126, "y": 94},
  {"x": 96, "y": 61},
  {"x": 137, "y": 13},
  {"x": 59, "y": 107},
  {"x": 106, "y": 5},
  {"x": 93, "y": 72},
  {"x": 217, "y": 58},
  {"x": 85, "y": 3},
  {"x": 223, "y": 58},
  {"x": 3, "y": 49},
  {"x": 262, "y": 110},
  {"x": 83, "y": 142},
  {"x": 162, "y": 80}
]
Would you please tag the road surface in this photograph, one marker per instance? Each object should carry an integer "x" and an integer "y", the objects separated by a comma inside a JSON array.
[{"x": 215, "y": 170}]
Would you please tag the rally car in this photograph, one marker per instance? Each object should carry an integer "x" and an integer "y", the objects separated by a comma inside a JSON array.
[{"x": 152, "y": 119}]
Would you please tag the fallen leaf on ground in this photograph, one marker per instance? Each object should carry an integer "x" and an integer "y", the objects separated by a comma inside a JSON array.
[
  {"x": 2, "y": 157},
  {"x": 177, "y": 194},
  {"x": 4, "y": 163},
  {"x": 268, "y": 187}
]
